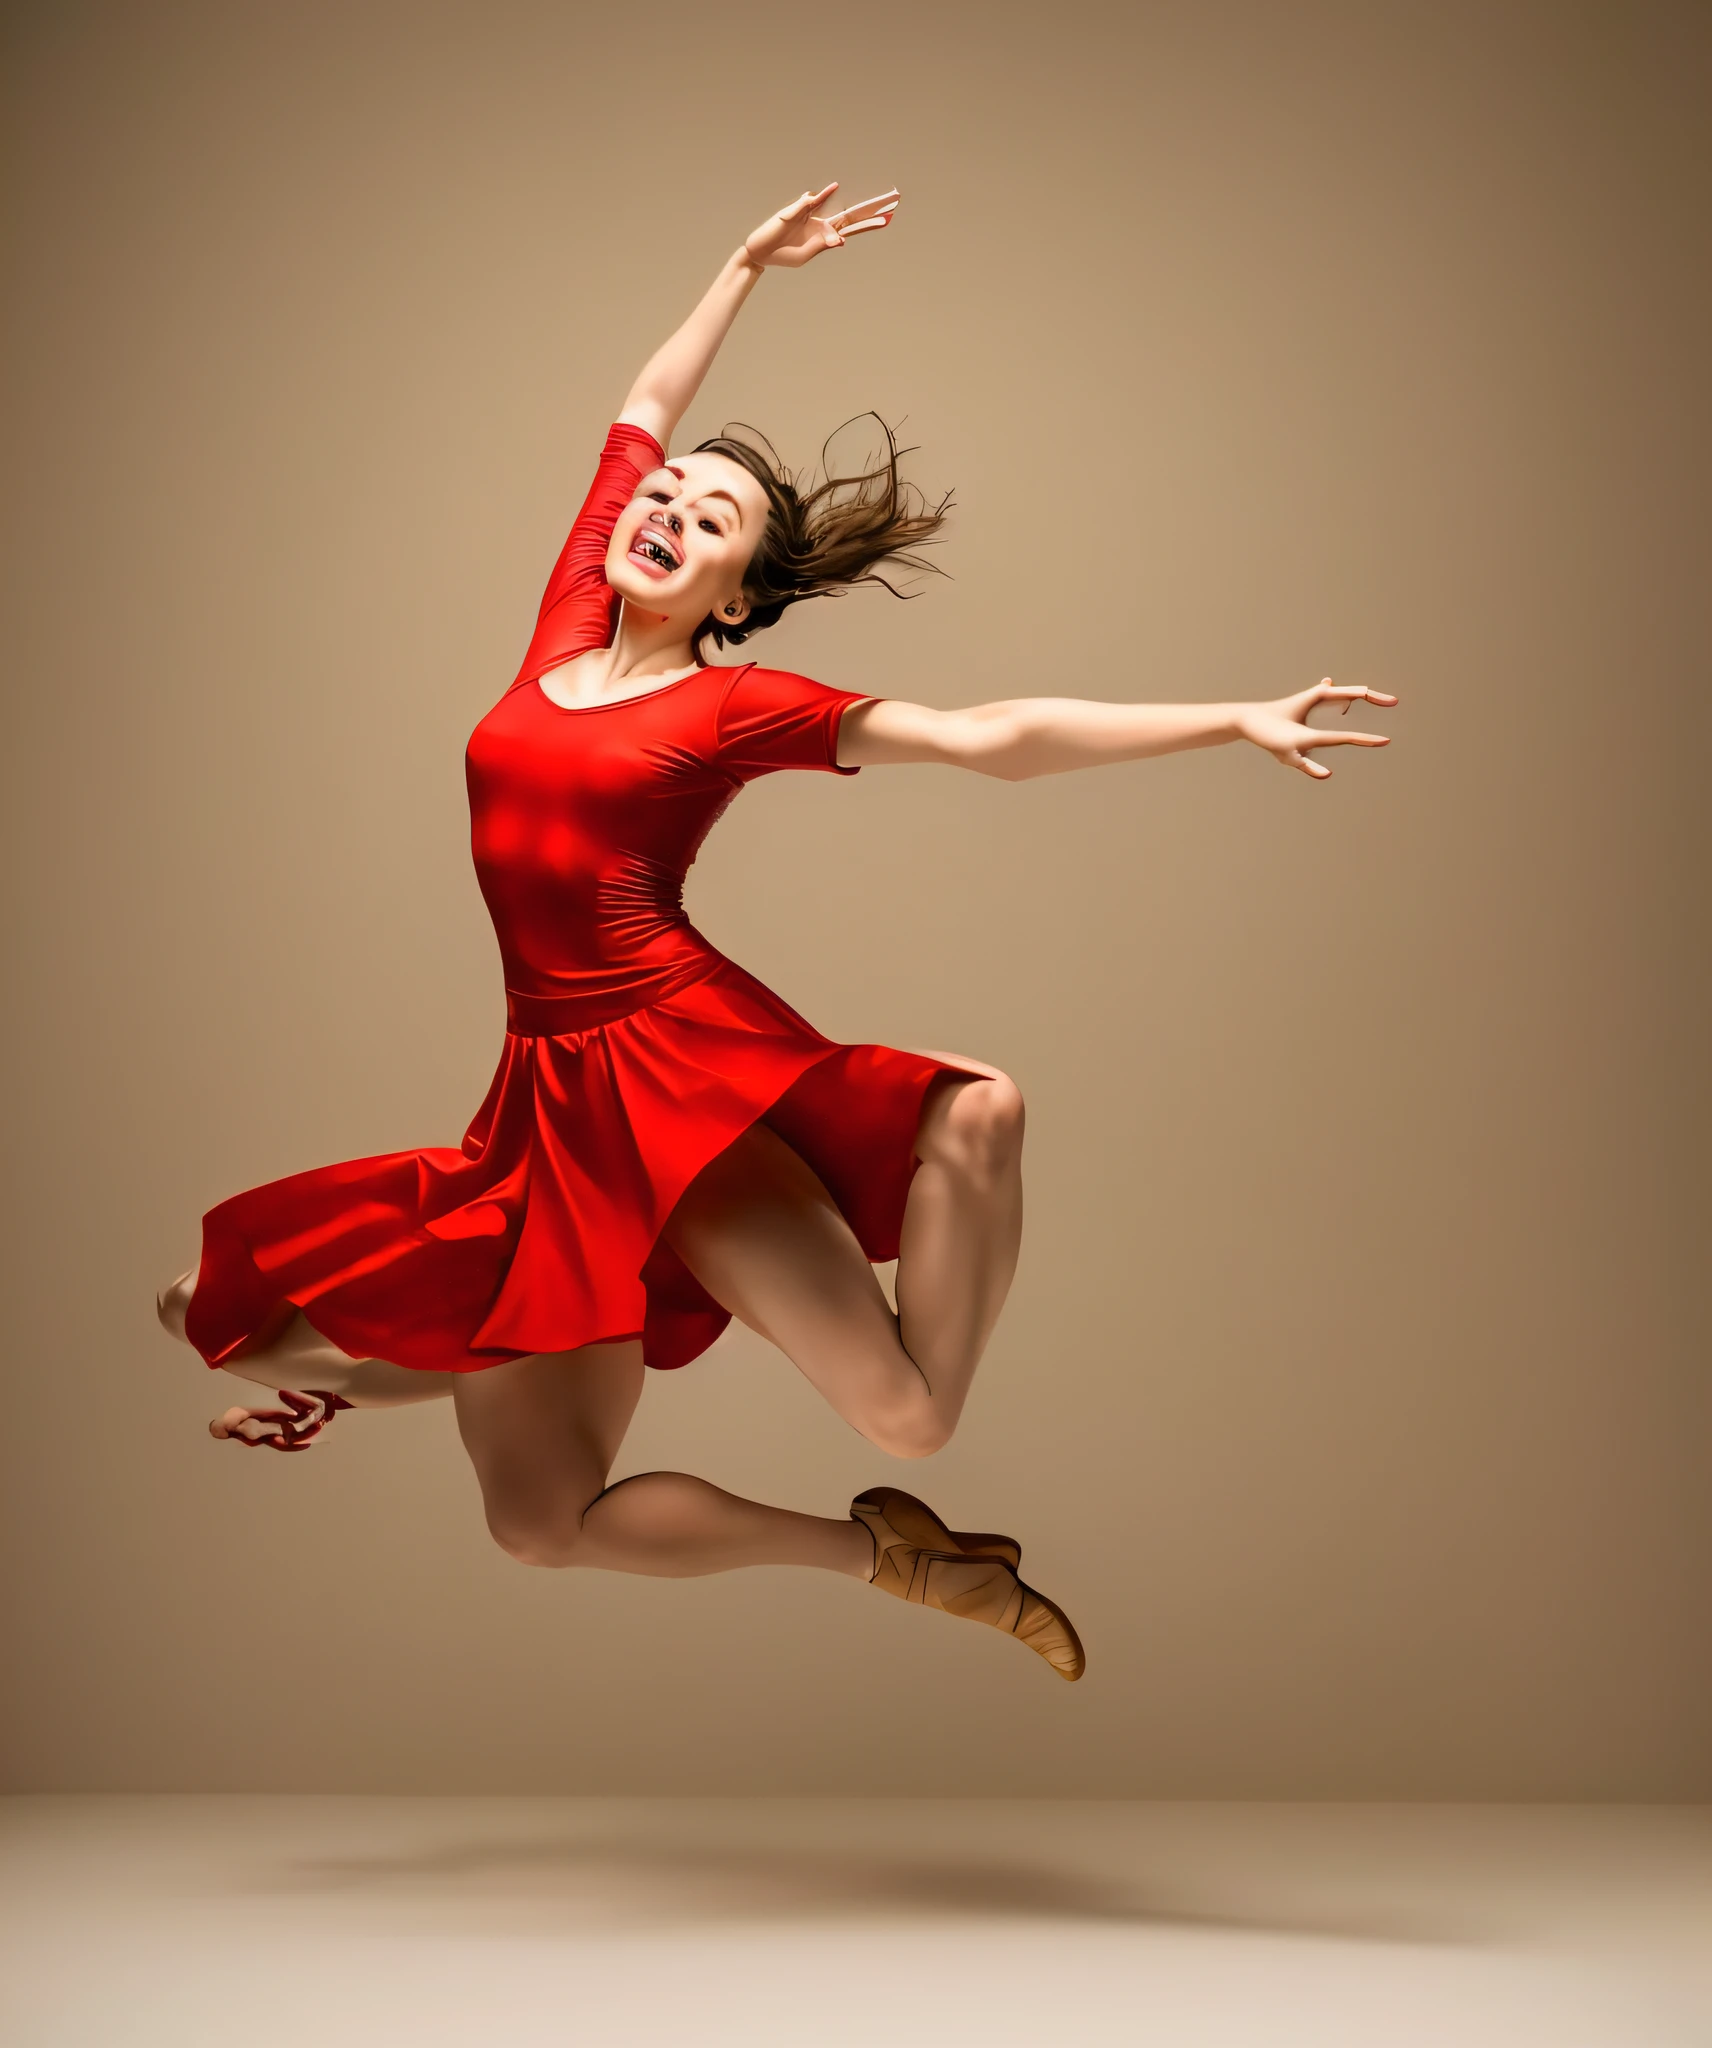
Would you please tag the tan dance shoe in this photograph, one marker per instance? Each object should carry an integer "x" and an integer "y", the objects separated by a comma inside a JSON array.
[
  {"x": 917, "y": 1558},
  {"x": 973, "y": 1545}
]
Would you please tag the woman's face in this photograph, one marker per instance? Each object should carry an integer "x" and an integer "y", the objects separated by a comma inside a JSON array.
[{"x": 681, "y": 545}]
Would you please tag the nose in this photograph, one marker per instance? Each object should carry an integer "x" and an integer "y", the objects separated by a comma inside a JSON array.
[{"x": 669, "y": 520}]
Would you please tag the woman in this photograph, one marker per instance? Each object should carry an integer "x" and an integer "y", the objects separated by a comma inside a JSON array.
[{"x": 666, "y": 1144}]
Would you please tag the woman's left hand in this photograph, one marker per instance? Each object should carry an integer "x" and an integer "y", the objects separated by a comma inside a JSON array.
[
  {"x": 797, "y": 233},
  {"x": 291, "y": 1428},
  {"x": 1282, "y": 728}
]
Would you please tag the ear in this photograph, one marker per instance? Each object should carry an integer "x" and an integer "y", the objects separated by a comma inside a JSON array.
[{"x": 733, "y": 611}]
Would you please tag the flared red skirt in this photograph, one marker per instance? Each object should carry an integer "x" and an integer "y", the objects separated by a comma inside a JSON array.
[{"x": 542, "y": 1231}]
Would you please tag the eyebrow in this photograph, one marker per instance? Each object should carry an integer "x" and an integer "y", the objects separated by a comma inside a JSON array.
[{"x": 729, "y": 496}]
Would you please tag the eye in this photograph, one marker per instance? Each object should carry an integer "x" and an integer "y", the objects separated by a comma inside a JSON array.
[
  {"x": 707, "y": 526},
  {"x": 661, "y": 497}
]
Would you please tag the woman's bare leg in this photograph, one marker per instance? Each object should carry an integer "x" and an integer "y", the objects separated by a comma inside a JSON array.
[
  {"x": 543, "y": 1432},
  {"x": 296, "y": 1355},
  {"x": 761, "y": 1233},
  {"x": 962, "y": 1230}
]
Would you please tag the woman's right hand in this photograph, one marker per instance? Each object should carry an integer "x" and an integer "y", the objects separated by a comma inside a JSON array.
[
  {"x": 291, "y": 1428},
  {"x": 1282, "y": 727},
  {"x": 797, "y": 233}
]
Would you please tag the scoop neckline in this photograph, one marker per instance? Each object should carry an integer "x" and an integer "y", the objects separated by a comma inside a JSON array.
[{"x": 618, "y": 703}]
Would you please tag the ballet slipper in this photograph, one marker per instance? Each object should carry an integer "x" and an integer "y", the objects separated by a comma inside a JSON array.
[{"x": 917, "y": 1558}]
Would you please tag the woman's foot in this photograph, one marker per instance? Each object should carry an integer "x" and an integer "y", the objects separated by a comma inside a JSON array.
[{"x": 917, "y": 1558}]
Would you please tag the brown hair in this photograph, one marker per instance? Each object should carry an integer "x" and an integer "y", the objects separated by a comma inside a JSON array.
[{"x": 822, "y": 540}]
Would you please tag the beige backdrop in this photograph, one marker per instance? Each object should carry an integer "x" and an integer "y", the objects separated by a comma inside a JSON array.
[{"x": 1348, "y": 1395}]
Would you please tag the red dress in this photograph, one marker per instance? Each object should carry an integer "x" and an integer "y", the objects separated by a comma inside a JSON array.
[{"x": 634, "y": 1051}]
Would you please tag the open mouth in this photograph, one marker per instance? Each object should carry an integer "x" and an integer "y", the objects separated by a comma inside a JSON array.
[{"x": 654, "y": 551}]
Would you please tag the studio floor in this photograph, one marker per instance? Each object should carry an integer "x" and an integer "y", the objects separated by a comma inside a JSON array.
[{"x": 261, "y": 1922}]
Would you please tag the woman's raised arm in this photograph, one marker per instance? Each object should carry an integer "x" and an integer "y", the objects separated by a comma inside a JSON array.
[
  {"x": 787, "y": 240},
  {"x": 1029, "y": 736}
]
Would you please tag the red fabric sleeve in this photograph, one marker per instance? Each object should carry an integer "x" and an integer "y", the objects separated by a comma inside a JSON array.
[
  {"x": 769, "y": 719},
  {"x": 577, "y": 610}
]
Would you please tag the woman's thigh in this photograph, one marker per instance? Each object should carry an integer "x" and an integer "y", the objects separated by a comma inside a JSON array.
[
  {"x": 542, "y": 1433},
  {"x": 760, "y": 1232}
]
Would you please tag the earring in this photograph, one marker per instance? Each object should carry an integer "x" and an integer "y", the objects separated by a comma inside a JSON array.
[{"x": 731, "y": 611}]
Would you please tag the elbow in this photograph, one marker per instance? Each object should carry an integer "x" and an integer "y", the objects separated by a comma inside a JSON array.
[{"x": 996, "y": 747}]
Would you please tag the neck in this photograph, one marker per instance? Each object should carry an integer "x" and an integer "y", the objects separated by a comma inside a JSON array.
[{"x": 646, "y": 645}]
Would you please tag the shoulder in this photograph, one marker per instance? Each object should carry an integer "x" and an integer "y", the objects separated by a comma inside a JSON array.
[
  {"x": 769, "y": 718},
  {"x": 753, "y": 685},
  {"x": 626, "y": 439}
]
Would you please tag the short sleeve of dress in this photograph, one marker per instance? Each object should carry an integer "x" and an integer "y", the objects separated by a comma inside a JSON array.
[
  {"x": 577, "y": 610},
  {"x": 770, "y": 719}
]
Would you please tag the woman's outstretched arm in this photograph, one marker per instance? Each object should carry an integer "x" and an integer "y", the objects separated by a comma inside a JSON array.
[
  {"x": 1029, "y": 736},
  {"x": 672, "y": 376}
]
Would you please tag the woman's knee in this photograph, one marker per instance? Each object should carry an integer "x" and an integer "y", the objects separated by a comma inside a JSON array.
[
  {"x": 975, "y": 1128},
  {"x": 915, "y": 1431},
  {"x": 550, "y": 1538},
  {"x": 172, "y": 1305}
]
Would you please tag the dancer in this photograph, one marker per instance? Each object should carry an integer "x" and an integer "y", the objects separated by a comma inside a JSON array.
[{"x": 666, "y": 1144}]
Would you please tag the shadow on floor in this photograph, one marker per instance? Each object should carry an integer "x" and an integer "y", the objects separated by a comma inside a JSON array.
[{"x": 614, "y": 1883}]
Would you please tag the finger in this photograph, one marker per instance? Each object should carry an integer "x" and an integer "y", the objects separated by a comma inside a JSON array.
[
  {"x": 1356, "y": 693},
  {"x": 1293, "y": 757},
  {"x": 235, "y": 1418},
  {"x": 316, "y": 1413},
  {"x": 1348, "y": 739},
  {"x": 854, "y": 219},
  {"x": 253, "y": 1427},
  {"x": 807, "y": 203},
  {"x": 264, "y": 1428},
  {"x": 881, "y": 202},
  {"x": 861, "y": 227}
]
